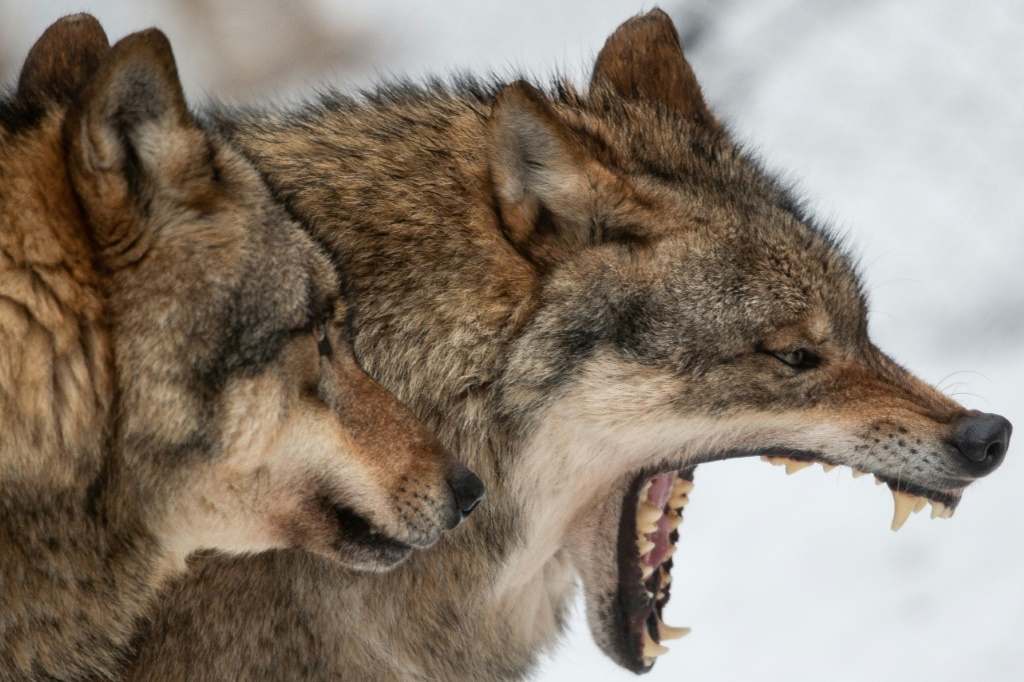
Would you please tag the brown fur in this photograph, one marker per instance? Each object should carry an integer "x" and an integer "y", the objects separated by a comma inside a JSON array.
[
  {"x": 162, "y": 384},
  {"x": 601, "y": 286}
]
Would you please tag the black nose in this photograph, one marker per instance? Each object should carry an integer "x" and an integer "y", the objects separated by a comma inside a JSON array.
[
  {"x": 982, "y": 438},
  {"x": 469, "y": 492}
]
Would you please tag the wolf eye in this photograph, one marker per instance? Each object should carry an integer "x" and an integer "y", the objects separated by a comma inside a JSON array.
[
  {"x": 323, "y": 342},
  {"x": 800, "y": 358}
]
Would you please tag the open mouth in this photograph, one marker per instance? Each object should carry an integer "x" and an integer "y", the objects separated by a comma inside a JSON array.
[
  {"x": 648, "y": 531},
  {"x": 358, "y": 538}
]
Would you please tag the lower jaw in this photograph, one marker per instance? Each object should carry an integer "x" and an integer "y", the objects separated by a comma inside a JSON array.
[
  {"x": 645, "y": 573},
  {"x": 644, "y": 580},
  {"x": 360, "y": 546}
]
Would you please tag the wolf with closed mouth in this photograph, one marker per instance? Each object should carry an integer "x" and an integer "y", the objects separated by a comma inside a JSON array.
[
  {"x": 605, "y": 292},
  {"x": 175, "y": 367}
]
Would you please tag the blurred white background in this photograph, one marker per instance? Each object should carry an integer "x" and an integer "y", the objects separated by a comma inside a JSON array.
[{"x": 903, "y": 123}]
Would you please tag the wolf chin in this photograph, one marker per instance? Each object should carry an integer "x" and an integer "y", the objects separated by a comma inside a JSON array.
[{"x": 586, "y": 295}]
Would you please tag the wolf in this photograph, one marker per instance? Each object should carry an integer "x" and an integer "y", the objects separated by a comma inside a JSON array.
[
  {"x": 604, "y": 292},
  {"x": 176, "y": 371}
]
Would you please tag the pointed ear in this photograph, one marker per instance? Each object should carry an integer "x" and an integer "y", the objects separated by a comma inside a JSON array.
[
  {"x": 540, "y": 172},
  {"x": 67, "y": 53},
  {"x": 129, "y": 135},
  {"x": 643, "y": 59}
]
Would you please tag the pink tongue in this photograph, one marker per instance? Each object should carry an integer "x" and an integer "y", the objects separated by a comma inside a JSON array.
[
  {"x": 661, "y": 489},
  {"x": 659, "y": 494}
]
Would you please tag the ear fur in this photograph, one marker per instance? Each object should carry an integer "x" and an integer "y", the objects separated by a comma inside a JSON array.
[
  {"x": 537, "y": 166},
  {"x": 128, "y": 135},
  {"x": 643, "y": 59},
  {"x": 67, "y": 53}
]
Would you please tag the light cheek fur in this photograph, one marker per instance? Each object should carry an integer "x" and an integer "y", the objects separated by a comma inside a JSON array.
[
  {"x": 621, "y": 417},
  {"x": 231, "y": 503},
  {"x": 285, "y": 456}
]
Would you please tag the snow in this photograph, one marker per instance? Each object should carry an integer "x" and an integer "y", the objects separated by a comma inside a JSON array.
[{"x": 903, "y": 123}]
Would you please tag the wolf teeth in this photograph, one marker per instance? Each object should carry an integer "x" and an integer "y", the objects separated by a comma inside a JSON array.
[
  {"x": 644, "y": 545},
  {"x": 679, "y": 500},
  {"x": 793, "y": 466},
  {"x": 651, "y": 648},
  {"x": 645, "y": 528},
  {"x": 647, "y": 516},
  {"x": 668, "y": 632},
  {"x": 905, "y": 503},
  {"x": 674, "y": 519},
  {"x": 681, "y": 485},
  {"x": 940, "y": 511},
  {"x": 646, "y": 489}
]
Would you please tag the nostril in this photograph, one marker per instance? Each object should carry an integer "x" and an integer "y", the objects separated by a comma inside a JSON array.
[
  {"x": 473, "y": 505},
  {"x": 994, "y": 450},
  {"x": 469, "y": 492},
  {"x": 982, "y": 439}
]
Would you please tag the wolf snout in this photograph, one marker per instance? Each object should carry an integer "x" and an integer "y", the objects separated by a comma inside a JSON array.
[
  {"x": 468, "y": 492},
  {"x": 982, "y": 439}
]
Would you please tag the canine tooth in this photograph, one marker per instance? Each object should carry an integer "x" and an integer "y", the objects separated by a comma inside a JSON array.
[
  {"x": 857, "y": 473},
  {"x": 644, "y": 545},
  {"x": 904, "y": 504},
  {"x": 682, "y": 485},
  {"x": 651, "y": 648},
  {"x": 668, "y": 632},
  {"x": 937, "y": 508},
  {"x": 793, "y": 466},
  {"x": 920, "y": 504},
  {"x": 674, "y": 519},
  {"x": 827, "y": 467}
]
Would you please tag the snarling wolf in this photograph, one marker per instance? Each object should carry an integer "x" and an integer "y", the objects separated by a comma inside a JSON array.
[
  {"x": 175, "y": 370},
  {"x": 587, "y": 294}
]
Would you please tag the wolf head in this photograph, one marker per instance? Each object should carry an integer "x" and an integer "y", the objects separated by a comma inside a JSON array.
[
  {"x": 692, "y": 312},
  {"x": 174, "y": 343}
]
